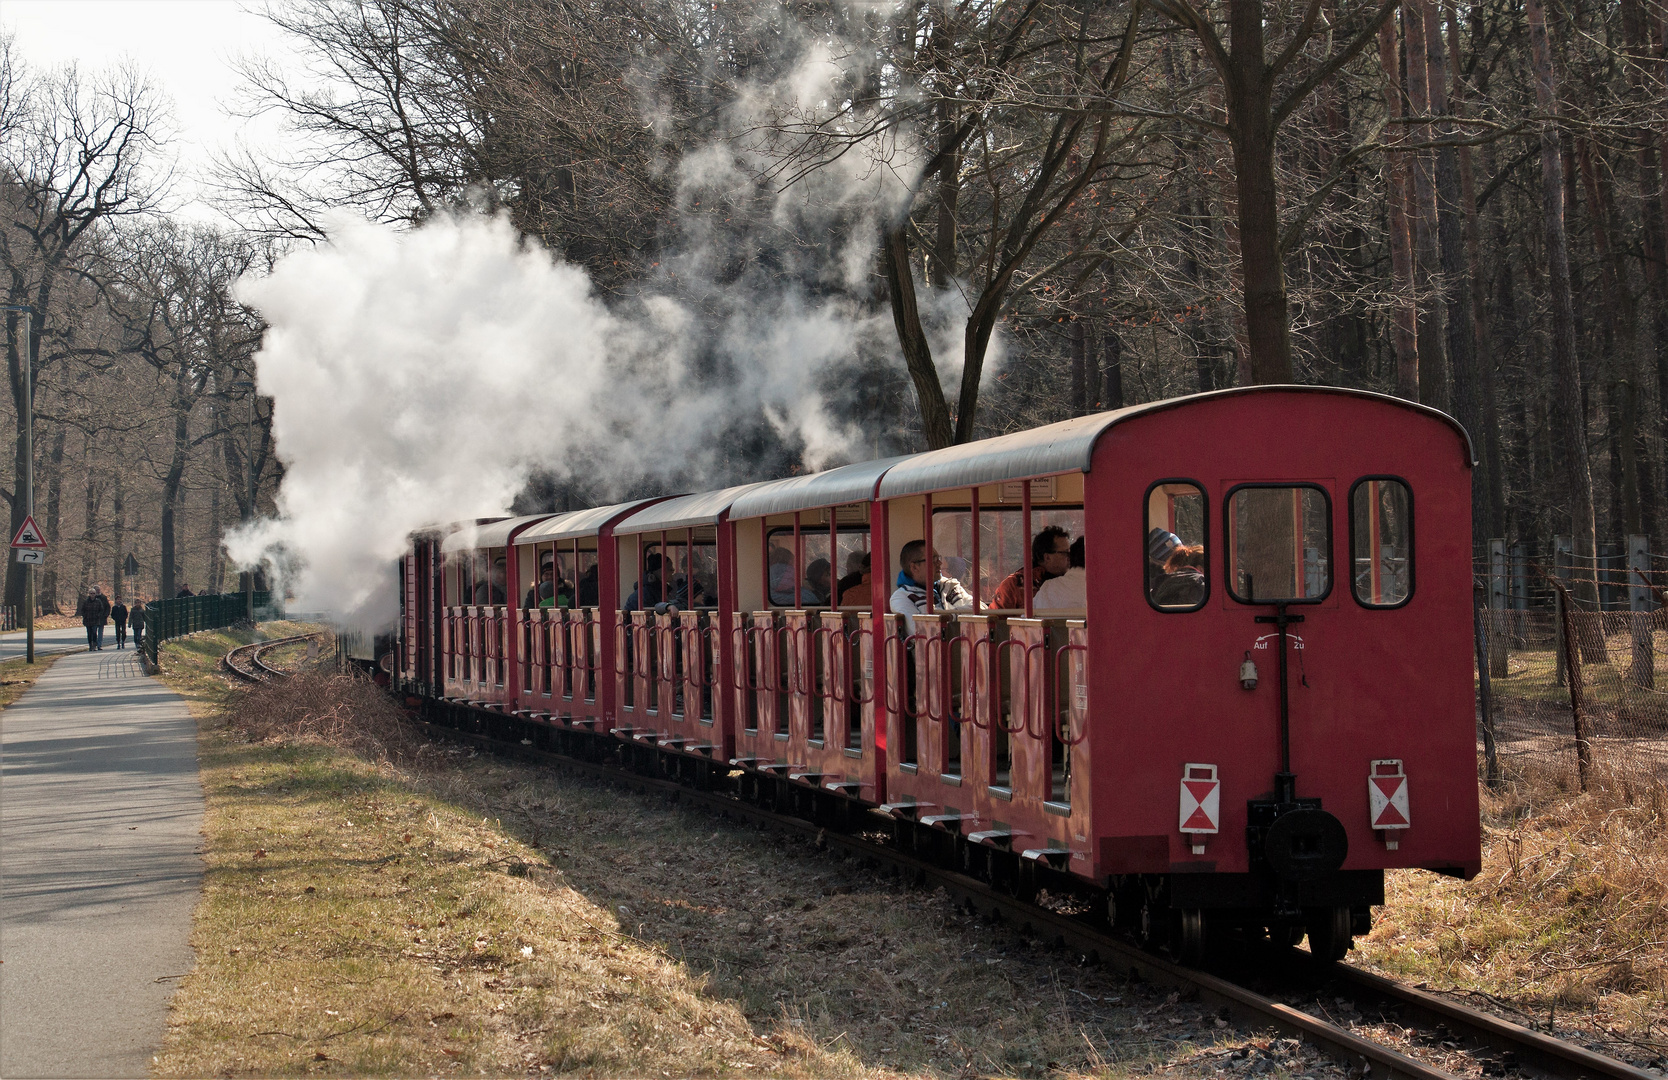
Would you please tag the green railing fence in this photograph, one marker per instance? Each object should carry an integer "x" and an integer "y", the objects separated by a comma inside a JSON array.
[{"x": 184, "y": 615}]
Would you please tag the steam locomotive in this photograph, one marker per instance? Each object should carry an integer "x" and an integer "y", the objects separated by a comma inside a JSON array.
[{"x": 1250, "y": 753}]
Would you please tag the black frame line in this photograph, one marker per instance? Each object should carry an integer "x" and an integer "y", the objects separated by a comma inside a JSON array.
[
  {"x": 1228, "y": 532},
  {"x": 1412, "y": 534},
  {"x": 1146, "y": 498}
]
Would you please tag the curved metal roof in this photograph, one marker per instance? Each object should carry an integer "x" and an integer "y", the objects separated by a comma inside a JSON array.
[
  {"x": 704, "y": 508},
  {"x": 494, "y": 534},
  {"x": 1070, "y": 444},
  {"x": 578, "y": 523},
  {"x": 834, "y": 487}
]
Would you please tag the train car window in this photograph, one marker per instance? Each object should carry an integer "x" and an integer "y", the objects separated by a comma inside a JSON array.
[
  {"x": 822, "y": 574},
  {"x": 1003, "y": 545},
  {"x": 1177, "y": 574},
  {"x": 701, "y": 567},
  {"x": 1381, "y": 542},
  {"x": 1279, "y": 543}
]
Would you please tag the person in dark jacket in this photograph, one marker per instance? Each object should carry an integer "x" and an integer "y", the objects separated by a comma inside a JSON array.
[
  {"x": 185, "y": 590},
  {"x": 118, "y": 619},
  {"x": 588, "y": 590},
  {"x": 94, "y": 610},
  {"x": 136, "y": 618}
]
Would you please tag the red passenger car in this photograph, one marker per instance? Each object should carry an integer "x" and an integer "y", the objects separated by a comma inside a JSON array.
[{"x": 1260, "y": 699}]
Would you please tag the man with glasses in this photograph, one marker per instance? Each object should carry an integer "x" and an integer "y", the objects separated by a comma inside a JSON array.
[
  {"x": 1050, "y": 558},
  {"x": 910, "y": 597}
]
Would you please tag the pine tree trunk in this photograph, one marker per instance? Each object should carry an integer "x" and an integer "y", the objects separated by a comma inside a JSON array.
[
  {"x": 1404, "y": 316},
  {"x": 46, "y": 592},
  {"x": 1267, "y": 311},
  {"x": 1451, "y": 214},
  {"x": 1112, "y": 374},
  {"x": 1567, "y": 403},
  {"x": 1627, "y": 361},
  {"x": 1079, "y": 361},
  {"x": 1493, "y": 500},
  {"x": 118, "y": 524},
  {"x": 1434, "y": 377}
]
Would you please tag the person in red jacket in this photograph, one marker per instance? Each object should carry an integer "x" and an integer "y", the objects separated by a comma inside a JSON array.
[{"x": 1050, "y": 556}]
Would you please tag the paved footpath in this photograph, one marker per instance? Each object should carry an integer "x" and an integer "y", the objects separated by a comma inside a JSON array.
[
  {"x": 13, "y": 643},
  {"x": 101, "y": 815}
]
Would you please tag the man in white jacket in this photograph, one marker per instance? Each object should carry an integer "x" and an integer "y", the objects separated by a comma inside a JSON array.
[
  {"x": 1068, "y": 592},
  {"x": 910, "y": 597}
]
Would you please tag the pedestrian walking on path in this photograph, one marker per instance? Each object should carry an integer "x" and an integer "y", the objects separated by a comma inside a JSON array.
[
  {"x": 137, "y": 618},
  {"x": 94, "y": 610},
  {"x": 118, "y": 619},
  {"x": 101, "y": 814}
]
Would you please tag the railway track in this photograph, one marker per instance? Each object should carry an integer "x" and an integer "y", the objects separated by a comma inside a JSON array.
[
  {"x": 1417, "y": 1034},
  {"x": 245, "y": 660}
]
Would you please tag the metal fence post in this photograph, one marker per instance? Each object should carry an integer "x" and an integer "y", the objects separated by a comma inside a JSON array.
[
  {"x": 1562, "y": 554},
  {"x": 1484, "y": 647},
  {"x": 1642, "y": 672},
  {"x": 1497, "y": 582},
  {"x": 1572, "y": 663}
]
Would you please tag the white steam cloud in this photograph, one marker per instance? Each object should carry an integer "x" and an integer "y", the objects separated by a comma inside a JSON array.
[{"x": 421, "y": 377}]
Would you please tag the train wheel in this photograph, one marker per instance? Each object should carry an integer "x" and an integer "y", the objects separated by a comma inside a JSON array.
[
  {"x": 1330, "y": 935},
  {"x": 1190, "y": 941}
]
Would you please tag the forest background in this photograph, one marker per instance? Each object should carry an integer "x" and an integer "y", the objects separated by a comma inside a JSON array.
[{"x": 1055, "y": 209}]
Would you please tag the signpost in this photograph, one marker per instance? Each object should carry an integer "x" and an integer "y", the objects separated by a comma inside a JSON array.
[
  {"x": 27, "y": 423},
  {"x": 30, "y": 545}
]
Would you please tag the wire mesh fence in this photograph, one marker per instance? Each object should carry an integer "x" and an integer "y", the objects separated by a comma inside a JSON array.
[{"x": 1575, "y": 695}]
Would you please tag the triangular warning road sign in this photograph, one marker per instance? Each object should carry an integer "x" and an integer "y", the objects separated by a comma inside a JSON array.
[{"x": 29, "y": 535}]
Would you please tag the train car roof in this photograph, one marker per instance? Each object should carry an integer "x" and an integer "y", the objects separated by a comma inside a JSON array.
[
  {"x": 684, "y": 511},
  {"x": 833, "y": 487},
  {"x": 489, "y": 535},
  {"x": 1070, "y": 444},
  {"x": 579, "y": 522}
]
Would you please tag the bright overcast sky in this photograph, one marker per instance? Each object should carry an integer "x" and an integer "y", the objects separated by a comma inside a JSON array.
[{"x": 187, "y": 47}]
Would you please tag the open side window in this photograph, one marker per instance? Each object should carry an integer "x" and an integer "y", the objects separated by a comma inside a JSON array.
[
  {"x": 1381, "y": 541},
  {"x": 1177, "y": 575}
]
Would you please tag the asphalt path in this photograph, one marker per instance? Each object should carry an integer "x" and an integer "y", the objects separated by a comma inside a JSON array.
[
  {"x": 101, "y": 813},
  {"x": 13, "y": 643}
]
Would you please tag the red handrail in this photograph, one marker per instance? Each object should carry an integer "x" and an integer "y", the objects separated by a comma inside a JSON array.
[
  {"x": 1004, "y": 654},
  {"x": 1062, "y": 718}
]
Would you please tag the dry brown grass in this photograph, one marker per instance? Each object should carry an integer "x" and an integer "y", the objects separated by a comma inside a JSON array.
[
  {"x": 459, "y": 913},
  {"x": 17, "y": 676},
  {"x": 321, "y": 707},
  {"x": 1568, "y": 920}
]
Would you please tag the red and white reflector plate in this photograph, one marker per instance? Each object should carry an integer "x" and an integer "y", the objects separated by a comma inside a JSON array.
[
  {"x": 1201, "y": 799},
  {"x": 1387, "y": 794}
]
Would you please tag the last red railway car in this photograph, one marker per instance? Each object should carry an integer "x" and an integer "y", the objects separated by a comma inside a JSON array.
[{"x": 1258, "y": 699}]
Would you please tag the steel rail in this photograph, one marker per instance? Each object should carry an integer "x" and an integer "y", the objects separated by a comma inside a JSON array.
[
  {"x": 1541, "y": 1053},
  {"x": 1538, "y": 1051},
  {"x": 258, "y": 671}
]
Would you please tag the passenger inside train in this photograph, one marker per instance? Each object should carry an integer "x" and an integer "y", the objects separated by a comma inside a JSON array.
[
  {"x": 1050, "y": 557},
  {"x": 1068, "y": 592},
  {"x": 817, "y": 581},
  {"x": 855, "y": 586},
  {"x": 910, "y": 597},
  {"x": 1176, "y": 577},
  {"x": 491, "y": 590}
]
